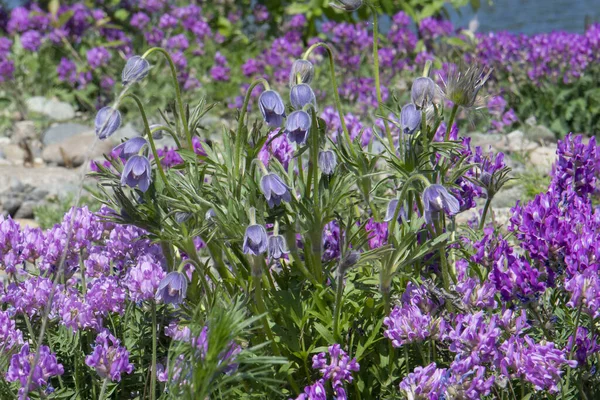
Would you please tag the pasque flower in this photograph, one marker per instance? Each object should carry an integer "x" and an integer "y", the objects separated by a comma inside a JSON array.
[
  {"x": 423, "y": 92},
  {"x": 275, "y": 189},
  {"x": 272, "y": 108},
  {"x": 137, "y": 172},
  {"x": 297, "y": 126},
  {"x": 302, "y": 95},
  {"x": 303, "y": 71},
  {"x": 172, "y": 289},
  {"x": 255, "y": 240},
  {"x": 130, "y": 148},
  {"x": 461, "y": 86},
  {"x": 107, "y": 121},
  {"x": 276, "y": 247},
  {"x": 327, "y": 161},
  {"x": 437, "y": 199},
  {"x": 135, "y": 70},
  {"x": 410, "y": 119},
  {"x": 347, "y": 5},
  {"x": 391, "y": 210}
]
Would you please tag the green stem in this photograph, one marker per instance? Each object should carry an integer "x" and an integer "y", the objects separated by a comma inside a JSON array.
[
  {"x": 336, "y": 95},
  {"x": 170, "y": 131},
  {"x": 260, "y": 304},
  {"x": 377, "y": 78},
  {"x": 153, "y": 370},
  {"x": 103, "y": 390},
  {"x": 339, "y": 292},
  {"x": 488, "y": 201},
  {"x": 159, "y": 167},
  {"x": 186, "y": 128},
  {"x": 450, "y": 122}
]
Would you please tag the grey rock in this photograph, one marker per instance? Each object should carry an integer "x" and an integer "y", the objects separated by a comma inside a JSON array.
[
  {"x": 128, "y": 131},
  {"x": 37, "y": 194},
  {"x": 26, "y": 210},
  {"x": 531, "y": 121},
  {"x": 518, "y": 142},
  {"x": 61, "y": 132},
  {"x": 486, "y": 140},
  {"x": 72, "y": 151},
  {"x": 11, "y": 204},
  {"x": 507, "y": 197},
  {"x": 36, "y": 104},
  {"x": 56, "y": 180},
  {"x": 540, "y": 133},
  {"x": 2, "y": 155},
  {"x": 23, "y": 130},
  {"x": 13, "y": 153},
  {"x": 543, "y": 157},
  {"x": 52, "y": 108},
  {"x": 16, "y": 186}
]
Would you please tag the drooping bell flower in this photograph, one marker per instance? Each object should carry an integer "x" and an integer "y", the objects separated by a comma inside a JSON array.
[
  {"x": 391, "y": 210},
  {"x": 436, "y": 198},
  {"x": 272, "y": 108},
  {"x": 130, "y": 148},
  {"x": 275, "y": 189},
  {"x": 302, "y": 71},
  {"x": 327, "y": 161},
  {"x": 255, "y": 240},
  {"x": 107, "y": 121},
  {"x": 410, "y": 118},
  {"x": 135, "y": 70},
  {"x": 137, "y": 172},
  {"x": 172, "y": 288},
  {"x": 347, "y": 5},
  {"x": 301, "y": 95},
  {"x": 276, "y": 247},
  {"x": 297, "y": 126},
  {"x": 422, "y": 92}
]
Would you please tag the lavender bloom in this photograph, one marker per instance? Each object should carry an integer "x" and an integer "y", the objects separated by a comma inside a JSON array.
[
  {"x": 255, "y": 240},
  {"x": 303, "y": 71},
  {"x": 172, "y": 289},
  {"x": 109, "y": 358},
  {"x": 275, "y": 190},
  {"x": 137, "y": 172},
  {"x": 425, "y": 383},
  {"x": 436, "y": 199},
  {"x": 297, "y": 126},
  {"x": 327, "y": 161},
  {"x": 276, "y": 247},
  {"x": 584, "y": 345},
  {"x": 423, "y": 92},
  {"x": 9, "y": 335},
  {"x": 135, "y": 70},
  {"x": 377, "y": 233},
  {"x": 130, "y": 148},
  {"x": 474, "y": 337},
  {"x": 272, "y": 108},
  {"x": 98, "y": 57},
  {"x": 105, "y": 295},
  {"x": 316, "y": 391},
  {"x": 407, "y": 324},
  {"x": 31, "y": 40},
  {"x": 331, "y": 241},
  {"x": 391, "y": 210},
  {"x": 338, "y": 368},
  {"x": 107, "y": 121},
  {"x": 20, "y": 368},
  {"x": 410, "y": 119},
  {"x": 302, "y": 95}
]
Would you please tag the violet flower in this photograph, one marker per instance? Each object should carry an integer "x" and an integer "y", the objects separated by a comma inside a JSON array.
[
  {"x": 255, "y": 240},
  {"x": 275, "y": 190},
  {"x": 297, "y": 126},
  {"x": 410, "y": 119},
  {"x": 107, "y": 121},
  {"x": 135, "y": 70},
  {"x": 436, "y": 199},
  {"x": 302, "y": 95},
  {"x": 302, "y": 71},
  {"x": 172, "y": 289},
  {"x": 272, "y": 108},
  {"x": 20, "y": 368},
  {"x": 327, "y": 161},
  {"x": 423, "y": 92},
  {"x": 276, "y": 247},
  {"x": 137, "y": 172},
  {"x": 109, "y": 358}
]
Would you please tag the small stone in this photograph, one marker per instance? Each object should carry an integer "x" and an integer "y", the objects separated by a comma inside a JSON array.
[
  {"x": 61, "y": 132},
  {"x": 59, "y": 110},
  {"x": 541, "y": 134},
  {"x": 23, "y": 130},
  {"x": 26, "y": 210},
  {"x": 36, "y": 104},
  {"x": 16, "y": 185},
  {"x": 11, "y": 204},
  {"x": 13, "y": 153},
  {"x": 72, "y": 151},
  {"x": 37, "y": 194},
  {"x": 531, "y": 121},
  {"x": 543, "y": 157}
]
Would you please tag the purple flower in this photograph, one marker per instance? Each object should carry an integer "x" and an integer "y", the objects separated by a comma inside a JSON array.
[
  {"x": 474, "y": 337},
  {"x": 167, "y": 21},
  {"x": 408, "y": 324},
  {"x": 275, "y": 190},
  {"x": 331, "y": 241},
  {"x": 272, "y": 108},
  {"x": 377, "y": 233},
  {"x": 277, "y": 146},
  {"x": 135, "y": 70},
  {"x": 143, "y": 279},
  {"x": 335, "y": 366},
  {"x": 255, "y": 240},
  {"x": 436, "y": 199},
  {"x": 20, "y": 368},
  {"x": 276, "y": 247},
  {"x": 109, "y": 358},
  {"x": 425, "y": 383},
  {"x": 172, "y": 288},
  {"x": 137, "y": 172},
  {"x": 423, "y": 92},
  {"x": 297, "y": 126},
  {"x": 9, "y": 335},
  {"x": 7, "y": 68},
  {"x": 105, "y": 295},
  {"x": 327, "y": 161},
  {"x": 139, "y": 20},
  {"x": 316, "y": 391},
  {"x": 98, "y": 57},
  {"x": 75, "y": 312},
  {"x": 391, "y": 210},
  {"x": 107, "y": 121},
  {"x": 302, "y": 71},
  {"x": 410, "y": 119},
  {"x": 130, "y": 148},
  {"x": 302, "y": 95},
  {"x": 31, "y": 40}
]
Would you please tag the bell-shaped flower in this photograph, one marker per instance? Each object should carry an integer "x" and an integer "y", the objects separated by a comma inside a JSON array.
[
  {"x": 135, "y": 70},
  {"x": 137, "y": 172},
  {"x": 423, "y": 92},
  {"x": 172, "y": 288},
  {"x": 107, "y": 121},
  {"x": 327, "y": 161},
  {"x": 130, "y": 148},
  {"x": 302, "y": 71},
  {"x": 274, "y": 189},
  {"x": 272, "y": 108},
  {"x": 301, "y": 95},
  {"x": 297, "y": 126},
  {"x": 255, "y": 240},
  {"x": 391, "y": 210},
  {"x": 276, "y": 247},
  {"x": 436, "y": 199},
  {"x": 410, "y": 118}
]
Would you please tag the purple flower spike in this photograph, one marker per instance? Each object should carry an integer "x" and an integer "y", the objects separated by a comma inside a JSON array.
[
  {"x": 272, "y": 108},
  {"x": 255, "y": 240},
  {"x": 275, "y": 190},
  {"x": 107, "y": 121},
  {"x": 135, "y": 70},
  {"x": 327, "y": 162},
  {"x": 137, "y": 172},
  {"x": 172, "y": 288},
  {"x": 20, "y": 368},
  {"x": 276, "y": 247},
  {"x": 425, "y": 383},
  {"x": 316, "y": 391},
  {"x": 109, "y": 358},
  {"x": 423, "y": 92},
  {"x": 437, "y": 198},
  {"x": 338, "y": 368},
  {"x": 410, "y": 118},
  {"x": 297, "y": 127},
  {"x": 301, "y": 95}
]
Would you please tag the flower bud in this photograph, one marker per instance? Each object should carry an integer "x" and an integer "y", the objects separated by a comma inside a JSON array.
[
  {"x": 255, "y": 240},
  {"x": 327, "y": 161},
  {"x": 301, "y": 95},
  {"x": 347, "y": 5},
  {"x": 276, "y": 247},
  {"x": 391, "y": 210},
  {"x": 303, "y": 71},
  {"x": 423, "y": 92},
  {"x": 272, "y": 108},
  {"x": 107, "y": 121},
  {"x": 172, "y": 288},
  {"x": 275, "y": 190},
  {"x": 135, "y": 70},
  {"x": 350, "y": 260},
  {"x": 297, "y": 126},
  {"x": 410, "y": 118}
]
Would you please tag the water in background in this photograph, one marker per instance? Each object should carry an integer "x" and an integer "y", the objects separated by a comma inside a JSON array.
[{"x": 530, "y": 16}]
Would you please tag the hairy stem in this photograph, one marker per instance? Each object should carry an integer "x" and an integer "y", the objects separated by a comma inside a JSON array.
[
  {"x": 153, "y": 370},
  {"x": 450, "y": 122},
  {"x": 339, "y": 292}
]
